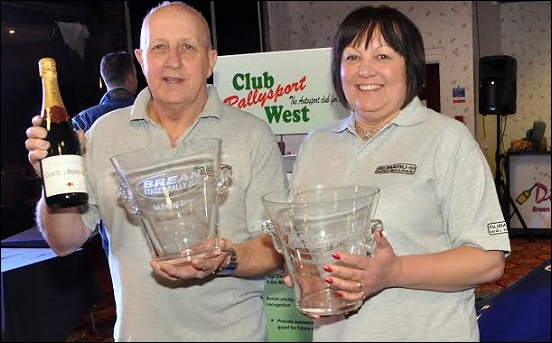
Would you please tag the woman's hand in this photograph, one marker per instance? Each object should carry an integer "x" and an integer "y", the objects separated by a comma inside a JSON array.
[{"x": 361, "y": 276}]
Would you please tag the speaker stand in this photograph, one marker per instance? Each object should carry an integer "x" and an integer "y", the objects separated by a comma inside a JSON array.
[{"x": 503, "y": 192}]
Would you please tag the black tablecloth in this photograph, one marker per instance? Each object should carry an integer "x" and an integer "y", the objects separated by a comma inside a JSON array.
[{"x": 44, "y": 296}]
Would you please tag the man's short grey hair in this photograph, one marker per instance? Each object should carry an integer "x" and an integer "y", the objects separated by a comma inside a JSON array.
[{"x": 143, "y": 34}]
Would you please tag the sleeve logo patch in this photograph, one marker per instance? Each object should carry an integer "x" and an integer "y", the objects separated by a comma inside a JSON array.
[{"x": 497, "y": 228}]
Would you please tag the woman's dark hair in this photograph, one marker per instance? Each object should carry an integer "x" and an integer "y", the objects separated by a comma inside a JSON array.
[{"x": 397, "y": 30}]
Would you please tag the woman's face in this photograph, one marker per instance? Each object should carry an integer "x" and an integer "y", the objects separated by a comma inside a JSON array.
[{"x": 374, "y": 80}]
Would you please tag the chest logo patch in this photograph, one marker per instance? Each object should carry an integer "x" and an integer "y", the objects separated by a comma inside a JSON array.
[{"x": 397, "y": 168}]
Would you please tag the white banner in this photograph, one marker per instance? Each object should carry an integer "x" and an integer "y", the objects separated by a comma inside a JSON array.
[{"x": 291, "y": 90}]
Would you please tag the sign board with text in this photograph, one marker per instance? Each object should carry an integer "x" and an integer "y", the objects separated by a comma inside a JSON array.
[
  {"x": 291, "y": 90},
  {"x": 530, "y": 189},
  {"x": 285, "y": 323}
]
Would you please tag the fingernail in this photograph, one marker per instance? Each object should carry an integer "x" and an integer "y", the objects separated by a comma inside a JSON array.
[
  {"x": 379, "y": 233},
  {"x": 336, "y": 256},
  {"x": 328, "y": 269},
  {"x": 328, "y": 280},
  {"x": 340, "y": 294}
]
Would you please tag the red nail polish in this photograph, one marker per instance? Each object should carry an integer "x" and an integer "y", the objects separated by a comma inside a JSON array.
[
  {"x": 340, "y": 294},
  {"x": 336, "y": 256},
  {"x": 328, "y": 280},
  {"x": 328, "y": 269}
]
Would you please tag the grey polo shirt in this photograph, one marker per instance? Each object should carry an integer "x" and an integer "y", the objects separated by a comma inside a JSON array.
[
  {"x": 437, "y": 192},
  {"x": 226, "y": 308}
]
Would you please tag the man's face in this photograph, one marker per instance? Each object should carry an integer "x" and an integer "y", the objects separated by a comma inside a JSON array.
[{"x": 176, "y": 55}]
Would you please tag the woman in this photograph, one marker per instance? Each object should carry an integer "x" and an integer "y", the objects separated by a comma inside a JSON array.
[{"x": 444, "y": 231}]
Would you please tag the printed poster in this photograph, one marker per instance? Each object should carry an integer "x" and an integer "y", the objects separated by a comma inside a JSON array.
[
  {"x": 530, "y": 190},
  {"x": 284, "y": 321}
]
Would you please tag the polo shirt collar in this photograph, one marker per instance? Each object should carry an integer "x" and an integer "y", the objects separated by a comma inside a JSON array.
[
  {"x": 213, "y": 106},
  {"x": 413, "y": 114}
]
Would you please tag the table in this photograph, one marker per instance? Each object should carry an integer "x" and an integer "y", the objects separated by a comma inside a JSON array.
[
  {"x": 45, "y": 296},
  {"x": 521, "y": 312},
  {"x": 30, "y": 238}
]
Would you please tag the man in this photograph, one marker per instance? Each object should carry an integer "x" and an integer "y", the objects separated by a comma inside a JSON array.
[
  {"x": 119, "y": 75},
  {"x": 176, "y": 302}
]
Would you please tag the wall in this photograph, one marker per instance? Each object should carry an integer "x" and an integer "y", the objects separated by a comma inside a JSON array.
[
  {"x": 525, "y": 34},
  {"x": 486, "y": 38},
  {"x": 521, "y": 29}
]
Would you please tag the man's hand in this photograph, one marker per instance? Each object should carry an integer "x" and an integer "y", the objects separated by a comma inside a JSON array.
[
  {"x": 37, "y": 145},
  {"x": 199, "y": 266}
]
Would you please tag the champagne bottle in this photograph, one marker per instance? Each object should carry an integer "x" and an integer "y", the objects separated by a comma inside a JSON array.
[{"x": 63, "y": 168}]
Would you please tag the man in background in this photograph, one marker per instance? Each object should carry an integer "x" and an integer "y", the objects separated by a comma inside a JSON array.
[{"x": 119, "y": 76}]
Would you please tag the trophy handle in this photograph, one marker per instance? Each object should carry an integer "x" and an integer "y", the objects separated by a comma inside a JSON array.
[
  {"x": 223, "y": 179},
  {"x": 370, "y": 241},
  {"x": 269, "y": 228},
  {"x": 222, "y": 175},
  {"x": 128, "y": 200}
]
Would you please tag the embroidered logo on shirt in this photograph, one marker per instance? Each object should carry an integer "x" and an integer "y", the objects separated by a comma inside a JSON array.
[
  {"x": 497, "y": 228},
  {"x": 397, "y": 168}
]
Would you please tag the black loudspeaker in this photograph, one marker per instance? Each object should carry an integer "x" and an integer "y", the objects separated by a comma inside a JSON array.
[{"x": 497, "y": 85}]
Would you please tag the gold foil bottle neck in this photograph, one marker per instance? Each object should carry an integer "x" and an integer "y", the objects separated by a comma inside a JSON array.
[
  {"x": 53, "y": 109},
  {"x": 47, "y": 65}
]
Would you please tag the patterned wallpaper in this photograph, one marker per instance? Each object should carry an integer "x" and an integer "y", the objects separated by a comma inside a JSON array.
[
  {"x": 525, "y": 34},
  {"x": 450, "y": 27}
]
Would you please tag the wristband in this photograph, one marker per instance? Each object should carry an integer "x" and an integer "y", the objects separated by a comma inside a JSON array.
[{"x": 229, "y": 265}]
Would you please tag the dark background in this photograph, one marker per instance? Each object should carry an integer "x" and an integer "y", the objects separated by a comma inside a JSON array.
[
  {"x": 37, "y": 35},
  {"x": 112, "y": 25}
]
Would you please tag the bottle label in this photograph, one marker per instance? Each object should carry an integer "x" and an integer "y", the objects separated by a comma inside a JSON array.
[{"x": 64, "y": 174}]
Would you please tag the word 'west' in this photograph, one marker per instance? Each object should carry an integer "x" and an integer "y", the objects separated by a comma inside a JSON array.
[{"x": 256, "y": 96}]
